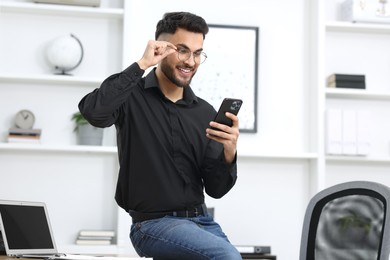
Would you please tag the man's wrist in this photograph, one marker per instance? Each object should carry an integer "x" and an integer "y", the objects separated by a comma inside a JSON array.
[
  {"x": 142, "y": 65},
  {"x": 230, "y": 157}
]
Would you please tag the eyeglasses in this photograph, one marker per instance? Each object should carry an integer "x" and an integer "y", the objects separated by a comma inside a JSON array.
[{"x": 184, "y": 54}]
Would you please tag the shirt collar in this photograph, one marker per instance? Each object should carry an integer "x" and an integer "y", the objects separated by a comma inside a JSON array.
[{"x": 189, "y": 96}]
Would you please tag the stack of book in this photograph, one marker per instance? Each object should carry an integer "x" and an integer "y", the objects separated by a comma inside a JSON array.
[
  {"x": 95, "y": 237},
  {"x": 346, "y": 81},
  {"x": 19, "y": 135}
]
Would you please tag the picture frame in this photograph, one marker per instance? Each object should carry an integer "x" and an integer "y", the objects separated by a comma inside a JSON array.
[{"x": 230, "y": 70}]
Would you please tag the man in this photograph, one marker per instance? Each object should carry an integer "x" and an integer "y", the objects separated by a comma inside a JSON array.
[{"x": 168, "y": 153}]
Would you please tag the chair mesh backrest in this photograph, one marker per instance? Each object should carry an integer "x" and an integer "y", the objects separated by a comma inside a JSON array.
[{"x": 350, "y": 228}]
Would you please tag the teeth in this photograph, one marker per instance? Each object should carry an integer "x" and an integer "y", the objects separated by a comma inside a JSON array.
[{"x": 185, "y": 70}]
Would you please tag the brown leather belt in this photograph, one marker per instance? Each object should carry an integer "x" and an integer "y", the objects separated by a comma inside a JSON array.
[{"x": 190, "y": 212}]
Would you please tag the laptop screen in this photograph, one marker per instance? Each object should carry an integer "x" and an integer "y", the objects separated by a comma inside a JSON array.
[{"x": 26, "y": 228}]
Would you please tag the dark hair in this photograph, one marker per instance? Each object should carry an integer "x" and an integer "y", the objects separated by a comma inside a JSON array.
[{"x": 188, "y": 21}]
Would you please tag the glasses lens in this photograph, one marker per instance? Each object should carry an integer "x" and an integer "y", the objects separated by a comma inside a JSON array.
[{"x": 184, "y": 55}]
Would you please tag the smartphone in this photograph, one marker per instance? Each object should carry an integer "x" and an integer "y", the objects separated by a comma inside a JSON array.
[{"x": 231, "y": 105}]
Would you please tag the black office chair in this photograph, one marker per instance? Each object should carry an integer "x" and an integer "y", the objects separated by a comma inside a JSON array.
[{"x": 348, "y": 221}]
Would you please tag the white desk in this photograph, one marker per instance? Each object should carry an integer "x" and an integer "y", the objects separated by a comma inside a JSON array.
[{"x": 83, "y": 257}]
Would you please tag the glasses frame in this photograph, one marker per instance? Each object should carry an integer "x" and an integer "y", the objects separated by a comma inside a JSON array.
[{"x": 200, "y": 55}]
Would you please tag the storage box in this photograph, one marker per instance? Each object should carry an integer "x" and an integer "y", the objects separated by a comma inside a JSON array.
[{"x": 371, "y": 11}]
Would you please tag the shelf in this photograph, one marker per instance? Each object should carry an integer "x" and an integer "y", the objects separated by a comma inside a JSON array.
[
  {"x": 47, "y": 9},
  {"x": 59, "y": 148},
  {"x": 50, "y": 79},
  {"x": 357, "y": 159},
  {"x": 357, "y": 27},
  {"x": 281, "y": 156},
  {"x": 113, "y": 150},
  {"x": 356, "y": 94}
]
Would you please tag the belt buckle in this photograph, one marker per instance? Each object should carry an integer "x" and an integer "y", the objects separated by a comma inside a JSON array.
[{"x": 192, "y": 213}]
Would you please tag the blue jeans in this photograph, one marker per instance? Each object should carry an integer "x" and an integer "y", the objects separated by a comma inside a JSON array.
[{"x": 182, "y": 238}]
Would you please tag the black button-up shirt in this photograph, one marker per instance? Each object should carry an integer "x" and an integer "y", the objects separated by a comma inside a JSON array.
[{"x": 165, "y": 158}]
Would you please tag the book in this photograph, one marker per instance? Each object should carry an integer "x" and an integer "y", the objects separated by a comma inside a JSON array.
[
  {"x": 23, "y": 139},
  {"x": 356, "y": 81},
  {"x": 101, "y": 233},
  {"x": 254, "y": 249},
  {"x": 95, "y": 238},
  {"x": 27, "y": 132},
  {"x": 347, "y": 84},
  {"x": 92, "y": 242},
  {"x": 346, "y": 77}
]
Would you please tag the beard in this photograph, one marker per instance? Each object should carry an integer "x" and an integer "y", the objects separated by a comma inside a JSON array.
[{"x": 169, "y": 72}]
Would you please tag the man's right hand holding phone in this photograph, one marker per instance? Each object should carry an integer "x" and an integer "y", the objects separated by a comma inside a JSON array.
[{"x": 225, "y": 135}]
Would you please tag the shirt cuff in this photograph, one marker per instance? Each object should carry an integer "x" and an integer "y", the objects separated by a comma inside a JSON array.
[
  {"x": 231, "y": 165},
  {"x": 134, "y": 71}
]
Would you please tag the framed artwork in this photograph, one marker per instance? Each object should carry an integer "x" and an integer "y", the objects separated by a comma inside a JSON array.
[{"x": 230, "y": 70}]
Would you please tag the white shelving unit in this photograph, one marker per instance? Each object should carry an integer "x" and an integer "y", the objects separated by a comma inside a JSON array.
[
  {"x": 7, "y": 147},
  {"x": 59, "y": 166},
  {"x": 280, "y": 156},
  {"x": 348, "y": 27},
  {"x": 356, "y": 94},
  {"x": 355, "y": 48},
  {"x": 51, "y": 79},
  {"x": 349, "y": 159}
]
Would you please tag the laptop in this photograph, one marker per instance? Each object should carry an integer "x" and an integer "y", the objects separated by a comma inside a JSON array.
[{"x": 26, "y": 231}]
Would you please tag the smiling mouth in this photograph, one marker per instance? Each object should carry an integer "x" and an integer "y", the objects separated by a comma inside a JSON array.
[{"x": 185, "y": 70}]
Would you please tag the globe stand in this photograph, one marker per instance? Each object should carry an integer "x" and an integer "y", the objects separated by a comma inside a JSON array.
[{"x": 62, "y": 72}]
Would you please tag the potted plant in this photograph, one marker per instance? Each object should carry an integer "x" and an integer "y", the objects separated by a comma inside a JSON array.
[{"x": 86, "y": 133}]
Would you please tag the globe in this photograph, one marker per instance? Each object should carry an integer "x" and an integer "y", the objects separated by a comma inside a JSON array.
[{"x": 65, "y": 53}]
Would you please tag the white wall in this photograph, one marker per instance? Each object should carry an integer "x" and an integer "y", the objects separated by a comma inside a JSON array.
[{"x": 77, "y": 190}]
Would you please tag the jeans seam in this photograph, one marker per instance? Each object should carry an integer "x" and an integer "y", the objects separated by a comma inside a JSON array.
[{"x": 140, "y": 237}]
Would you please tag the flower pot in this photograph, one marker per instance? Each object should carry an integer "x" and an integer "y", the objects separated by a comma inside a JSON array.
[{"x": 89, "y": 135}]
